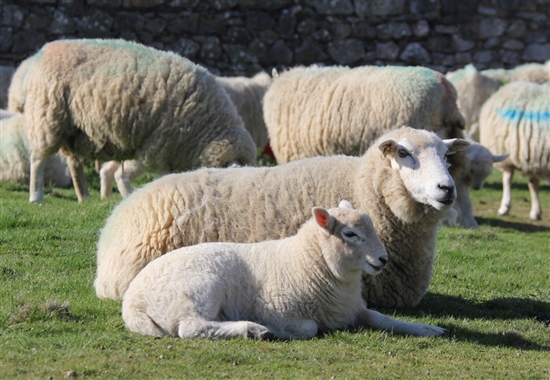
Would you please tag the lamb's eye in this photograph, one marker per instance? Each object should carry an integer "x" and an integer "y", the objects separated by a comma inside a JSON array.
[
  {"x": 402, "y": 153},
  {"x": 350, "y": 234}
]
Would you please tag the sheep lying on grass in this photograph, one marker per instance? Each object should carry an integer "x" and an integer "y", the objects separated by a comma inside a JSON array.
[
  {"x": 245, "y": 93},
  {"x": 402, "y": 182},
  {"x": 516, "y": 120},
  {"x": 290, "y": 288},
  {"x": 119, "y": 100},
  {"x": 14, "y": 155}
]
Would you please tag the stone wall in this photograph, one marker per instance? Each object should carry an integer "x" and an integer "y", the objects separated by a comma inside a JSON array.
[{"x": 242, "y": 37}]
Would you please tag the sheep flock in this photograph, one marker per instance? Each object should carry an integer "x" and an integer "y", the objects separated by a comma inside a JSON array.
[{"x": 369, "y": 163}]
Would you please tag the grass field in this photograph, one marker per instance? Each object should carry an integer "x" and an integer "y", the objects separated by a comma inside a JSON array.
[{"x": 491, "y": 290}]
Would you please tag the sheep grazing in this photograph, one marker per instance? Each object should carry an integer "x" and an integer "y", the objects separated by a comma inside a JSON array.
[
  {"x": 120, "y": 100},
  {"x": 516, "y": 120},
  {"x": 402, "y": 182},
  {"x": 322, "y": 111},
  {"x": 289, "y": 288},
  {"x": 15, "y": 154},
  {"x": 479, "y": 165},
  {"x": 245, "y": 93}
]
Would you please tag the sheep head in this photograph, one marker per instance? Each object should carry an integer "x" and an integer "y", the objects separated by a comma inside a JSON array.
[
  {"x": 349, "y": 242},
  {"x": 419, "y": 157}
]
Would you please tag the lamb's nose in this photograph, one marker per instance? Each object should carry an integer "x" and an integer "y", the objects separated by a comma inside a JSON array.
[{"x": 384, "y": 261}]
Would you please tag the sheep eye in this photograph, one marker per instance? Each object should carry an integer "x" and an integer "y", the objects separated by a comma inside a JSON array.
[
  {"x": 402, "y": 153},
  {"x": 350, "y": 234}
]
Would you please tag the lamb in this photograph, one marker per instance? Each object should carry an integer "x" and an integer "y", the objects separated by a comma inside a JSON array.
[
  {"x": 402, "y": 182},
  {"x": 289, "y": 288},
  {"x": 14, "y": 155},
  {"x": 479, "y": 165},
  {"x": 247, "y": 95},
  {"x": 18, "y": 86},
  {"x": 6, "y": 72},
  {"x": 120, "y": 100},
  {"x": 516, "y": 120}
]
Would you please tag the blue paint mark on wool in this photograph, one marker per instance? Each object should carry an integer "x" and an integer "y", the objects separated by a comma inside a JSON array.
[{"x": 515, "y": 115}]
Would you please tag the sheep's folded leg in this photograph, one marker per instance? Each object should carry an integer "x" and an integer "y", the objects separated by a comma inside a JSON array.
[
  {"x": 506, "y": 203},
  {"x": 378, "y": 321},
  {"x": 200, "y": 328}
]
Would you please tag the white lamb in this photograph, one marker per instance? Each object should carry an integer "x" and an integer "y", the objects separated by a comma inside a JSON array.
[
  {"x": 15, "y": 154},
  {"x": 516, "y": 120},
  {"x": 290, "y": 288},
  {"x": 479, "y": 165},
  {"x": 402, "y": 182},
  {"x": 247, "y": 96},
  {"x": 120, "y": 100}
]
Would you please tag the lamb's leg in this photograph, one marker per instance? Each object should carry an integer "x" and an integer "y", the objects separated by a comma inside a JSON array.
[
  {"x": 124, "y": 175},
  {"x": 36, "y": 185},
  {"x": 138, "y": 321},
  {"x": 201, "y": 328},
  {"x": 107, "y": 177},
  {"x": 536, "y": 210},
  {"x": 79, "y": 179},
  {"x": 464, "y": 204},
  {"x": 506, "y": 203},
  {"x": 295, "y": 329},
  {"x": 378, "y": 321}
]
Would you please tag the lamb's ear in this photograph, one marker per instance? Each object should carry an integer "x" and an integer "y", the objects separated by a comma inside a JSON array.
[
  {"x": 345, "y": 204},
  {"x": 323, "y": 219},
  {"x": 388, "y": 147},
  {"x": 454, "y": 145},
  {"x": 502, "y": 157}
]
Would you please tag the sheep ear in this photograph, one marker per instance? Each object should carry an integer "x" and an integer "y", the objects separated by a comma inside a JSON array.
[
  {"x": 454, "y": 145},
  {"x": 502, "y": 157},
  {"x": 345, "y": 204},
  {"x": 323, "y": 219},
  {"x": 388, "y": 147}
]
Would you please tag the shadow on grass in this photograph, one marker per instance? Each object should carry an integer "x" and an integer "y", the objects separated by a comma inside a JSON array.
[
  {"x": 509, "y": 308},
  {"x": 515, "y": 186},
  {"x": 521, "y": 227}
]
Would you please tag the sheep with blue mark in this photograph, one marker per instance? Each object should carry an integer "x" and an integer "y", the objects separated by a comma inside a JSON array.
[{"x": 516, "y": 120}]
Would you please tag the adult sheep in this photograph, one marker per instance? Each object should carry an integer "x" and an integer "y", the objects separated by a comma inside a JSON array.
[
  {"x": 289, "y": 288},
  {"x": 516, "y": 120},
  {"x": 322, "y": 111},
  {"x": 402, "y": 183},
  {"x": 120, "y": 100},
  {"x": 15, "y": 154},
  {"x": 247, "y": 96}
]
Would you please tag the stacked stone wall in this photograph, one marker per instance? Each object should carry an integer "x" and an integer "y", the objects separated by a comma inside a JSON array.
[{"x": 242, "y": 37}]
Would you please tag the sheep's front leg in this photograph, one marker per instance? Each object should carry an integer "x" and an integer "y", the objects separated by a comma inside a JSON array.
[
  {"x": 201, "y": 328},
  {"x": 295, "y": 329},
  {"x": 124, "y": 175},
  {"x": 79, "y": 179},
  {"x": 36, "y": 185},
  {"x": 379, "y": 321},
  {"x": 536, "y": 210},
  {"x": 506, "y": 203}
]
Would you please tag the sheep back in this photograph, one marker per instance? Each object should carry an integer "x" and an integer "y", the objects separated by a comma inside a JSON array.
[
  {"x": 516, "y": 120},
  {"x": 113, "y": 99},
  {"x": 337, "y": 110}
]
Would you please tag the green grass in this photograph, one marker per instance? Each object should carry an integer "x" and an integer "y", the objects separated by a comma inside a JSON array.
[{"x": 488, "y": 289}]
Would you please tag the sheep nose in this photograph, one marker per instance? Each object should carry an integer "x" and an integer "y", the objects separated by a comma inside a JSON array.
[
  {"x": 383, "y": 260},
  {"x": 449, "y": 191}
]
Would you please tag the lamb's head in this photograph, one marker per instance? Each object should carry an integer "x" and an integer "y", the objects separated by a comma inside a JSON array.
[
  {"x": 419, "y": 156},
  {"x": 479, "y": 165},
  {"x": 348, "y": 241}
]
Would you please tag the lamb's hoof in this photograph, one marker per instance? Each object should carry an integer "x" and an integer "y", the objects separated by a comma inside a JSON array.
[{"x": 269, "y": 336}]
